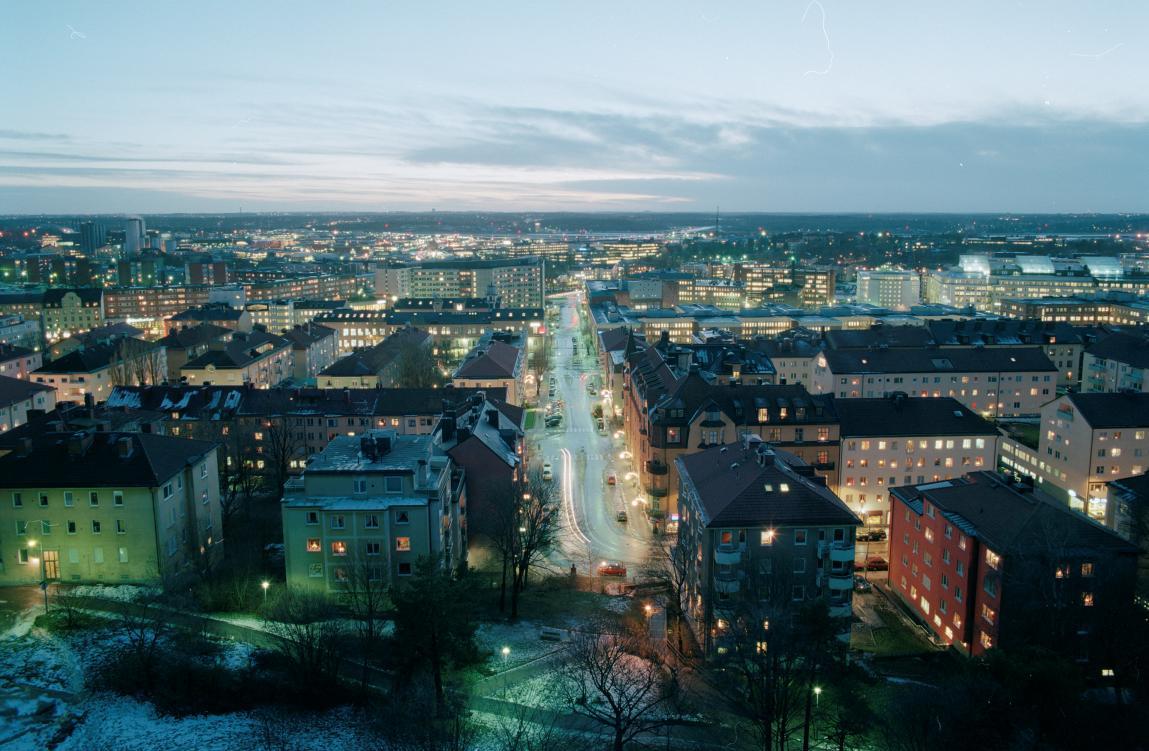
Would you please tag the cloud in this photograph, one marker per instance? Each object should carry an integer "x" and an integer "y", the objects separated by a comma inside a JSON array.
[{"x": 26, "y": 135}]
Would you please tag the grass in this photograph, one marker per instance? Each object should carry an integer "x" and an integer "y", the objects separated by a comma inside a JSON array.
[
  {"x": 896, "y": 637},
  {"x": 1025, "y": 433},
  {"x": 532, "y": 418},
  {"x": 549, "y": 602}
]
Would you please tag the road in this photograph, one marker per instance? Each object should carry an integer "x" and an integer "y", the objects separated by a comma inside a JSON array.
[{"x": 583, "y": 459}]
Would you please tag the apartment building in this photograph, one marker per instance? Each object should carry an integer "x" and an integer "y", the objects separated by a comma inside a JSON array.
[
  {"x": 18, "y": 397},
  {"x": 217, "y": 314},
  {"x": 19, "y": 362},
  {"x": 153, "y": 303},
  {"x": 1118, "y": 362},
  {"x": 257, "y": 358},
  {"x": 761, "y": 534},
  {"x": 374, "y": 366},
  {"x": 494, "y": 364},
  {"x": 94, "y": 371},
  {"x": 517, "y": 282},
  {"x": 994, "y": 382},
  {"x": 901, "y": 440},
  {"x": 817, "y": 285},
  {"x": 986, "y": 564},
  {"x": 185, "y": 343},
  {"x": 1087, "y": 440},
  {"x": 71, "y": 311},
  {"x": 18, "y": 331},
  {"x": 897, "y": 289},
  {"x": 313, "y": 349},
  {"x": 108, "y": 507},
  {"x": 368, "y": 508}
]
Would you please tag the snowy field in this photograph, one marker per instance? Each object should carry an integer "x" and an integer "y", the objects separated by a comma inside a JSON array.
[{"x": 524, "y": 639}]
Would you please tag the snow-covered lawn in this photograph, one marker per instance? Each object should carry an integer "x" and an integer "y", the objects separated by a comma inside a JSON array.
[
  {"x": 524, "y": 639},
  {"x": 118, "y": 592}
]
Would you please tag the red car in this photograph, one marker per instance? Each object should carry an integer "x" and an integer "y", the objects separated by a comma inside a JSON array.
[
  {"x": 877, "y": 563},
  {"x": 611, "y": 568}
]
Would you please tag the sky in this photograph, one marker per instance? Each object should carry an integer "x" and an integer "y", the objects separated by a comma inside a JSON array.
[{"x": 824, "y": 106}]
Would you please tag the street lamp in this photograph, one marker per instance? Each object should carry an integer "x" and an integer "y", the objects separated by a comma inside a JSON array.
[
  {"x": 265, "y": 584},
  {"x": 818, "y": 695},
  {"x": 39, "y": 561}
]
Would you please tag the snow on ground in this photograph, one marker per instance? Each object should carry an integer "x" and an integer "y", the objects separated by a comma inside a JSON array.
[
  {"x": 618, "y": 604},
  {"x": 118, "y": 592},
  {"x": 21, "y": 626},
  {"x": 542, "y": 691},
  {"x": 523, "y": 639}
]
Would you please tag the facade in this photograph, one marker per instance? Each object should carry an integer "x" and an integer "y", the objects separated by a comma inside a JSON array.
[
  {"x": 313, "y": 347},
  {"x": 368, "y": 508},
  {"x": 18, "y": 362},
  {"x": 186, "y": 343},
  {"x": 517, "y": 282},
  {"x": 374, "y": 366},
  {"x": 71, "y": 311},
  {"x": 900, "y": 440},
  {"x": 92, "y": 372},
  {"x": 134, "y": 304},
  {"x": 994, "y": 382},
  {"x": 494, "y": 364},
  {"x": 1119, "y": 362},
  {"x": 897, "y": 289},
  {"x": 761, "y": 534},
  {"x": 217, "y": 314},
  {"x": 108, "y": 507},
  {"x": 18, "y": 331},
  {"x": 18, "y": 397},
  {"x": 985, "y": 564}
]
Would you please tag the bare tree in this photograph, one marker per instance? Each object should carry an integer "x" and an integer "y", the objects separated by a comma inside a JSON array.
[
  {"x": 415, "y": 366},
  {"x": 144, "y": 630},
  {"x": 535, "y": 533},
  {"x": 669, "y": 566},
  {"x": 137, "y": 363},
  {"x": 238, "y": 477},
  {"x": 282, "y": 446},
  {"x": 529, "y": 729},
  {"x": 365, "y": 593},
  {"x": 311, "y": 635},
  {"x": 617, "y": 682}
]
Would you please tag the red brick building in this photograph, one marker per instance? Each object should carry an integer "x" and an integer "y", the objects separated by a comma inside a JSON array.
[{"x": 987, "y": 564}]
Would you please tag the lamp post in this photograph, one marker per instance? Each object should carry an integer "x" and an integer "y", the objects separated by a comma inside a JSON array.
[
  {"x": 39, "y": 560},
  {"x": 818, "y": 696},
  {"x": 265, "y": 584},
  {"x": 506, "y": 653}
]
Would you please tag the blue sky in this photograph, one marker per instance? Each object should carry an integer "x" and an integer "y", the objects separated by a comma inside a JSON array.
[{"x": 764, "y": 106}]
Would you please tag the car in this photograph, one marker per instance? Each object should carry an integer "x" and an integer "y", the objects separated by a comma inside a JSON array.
[
  {"x": 611, "y": 568},
  {"x": 877, "y": 563},
  {"x": 611, "y": 479},
  {"x": 553, "y": 421},
  {"x": 548, "y": 473},
  {"x": 621, "y": 517},
  {"x": 873, "y": 535},
  {"x": 861, "y": 584}
]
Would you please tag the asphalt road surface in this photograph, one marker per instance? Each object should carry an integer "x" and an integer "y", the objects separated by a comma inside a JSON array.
[{"x": 583, "y": 459}]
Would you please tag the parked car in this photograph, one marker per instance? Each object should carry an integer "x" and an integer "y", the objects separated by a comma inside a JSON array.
[
  {"x": 873, "y": 535},
  {"x": 621, "y": 517},
  {"x": 611, "y": 568},
  {"x": 548, "y": 474},
  {"x": 553, "y": 421},
  {"x": 611, "y": 479},
  {"x": 877, "y": 563},
  {"x": 861, "y": 584}
]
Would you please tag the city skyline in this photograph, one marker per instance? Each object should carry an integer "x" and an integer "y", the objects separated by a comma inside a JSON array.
[{"x": 803, "y": 107}]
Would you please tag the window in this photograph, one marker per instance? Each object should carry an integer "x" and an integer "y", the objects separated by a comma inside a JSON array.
[
  {"x": 959, "y": 567},
  {"x": 117, "y": 498},
  {"x": 69, "y": 498},
  {"x": 1087, "y": 569},
  {"x": 1087, "y": 599},
  {"x": 986, "y": 641},
  {"x": 360, "y": 484},
  {"x": 122, "y": 554},
  {"x": 71, "y": 527},
  {"x": 94, "y": 498},
  {"x": 673, "y": 435},
  {"x": 98, "y": 553},
  {"x": 374, "y": 548},
  {"x": 43, "y": 500},
  {"x": 169, "y": 491},
  {"x": 338, "y": 547},
  {"x": 313, "y": 545},
  {"x": 337, "y": 521},
  {"x": 312, "y": 517},
  {"x": 120, "y": 529},
  {"x": 992, "y": 559},
  {"x": 371, "y": 521},
  {"x": 990, "y": 585},
  {"x": 799, "y": 565},
  {"x": 798, "y": 592},
  {"x": 315, "y": 570},
  {"x": 403, "y": 544},
  {"x": 393, "y": 484},
  {"x": 401, "y": 517},
  {"x": 96, "y": 526},
  {"x": 17, "y": 500},
  {"x": 988, "y": 614},
  {"x": 799, "y": 537},
  {"x": 404, "y": 569},
  {"x": 766, "y": 537},
  {"x": 957, "y": 593}
]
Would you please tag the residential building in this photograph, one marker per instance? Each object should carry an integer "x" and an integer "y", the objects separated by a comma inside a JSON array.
[
  {"x": 17, "y": 361},
  {"x": 900, "y": 440},
  {"x": 368, "y": 508},
  {"x": 94, "y": 371},
  {"x": 374, "y": 366},
  {"x": 1118, "y": 362},
  {"x": 493, "y": 364},
  {"x": 994, "y": 382},
  {"x": 108, "y": 507},
  {"x": 217, "y": 314},
  {"x": 898, "y": 289},
  {"x": 313, "y": 348},
  {"x": 1129, "y": 499},
  {"x": 139, "y": 304},
  {"x": 19, "y": 331},
  {"x": 985, "y": 564},
  {"x": 517, "y": 282},
  {"x": 18, "y": 397},
  {"x": 186, "y": 343},
  {"x": 71, "y": 311},
  {"x": 257, "y": 358},
  {"x": 760, "y": 534}
]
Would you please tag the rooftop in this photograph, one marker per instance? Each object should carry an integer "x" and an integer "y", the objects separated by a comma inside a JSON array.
[
  {"x": 1117, "y": 410},
  {"x": 901, "y": 415}
]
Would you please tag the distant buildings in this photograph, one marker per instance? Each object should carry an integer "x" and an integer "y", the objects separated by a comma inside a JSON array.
[
  {"x": 987, "y": 565},
  {"x": 368, "y": 508},
  {"x": 1119, "y": 362},
  {"x": 71, "y": 311},
  {"x": 494, "y": 364},
  {"x": 898, "y": 289},
  {"x": 108, "y": 507},
  {"x": 760, "y": 534},
  {"x": 18, "y": 362},
  {"x": 518, "y": 283}
]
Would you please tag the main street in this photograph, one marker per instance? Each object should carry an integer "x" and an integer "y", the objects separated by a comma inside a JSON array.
[{"x": 583, "y": 458}]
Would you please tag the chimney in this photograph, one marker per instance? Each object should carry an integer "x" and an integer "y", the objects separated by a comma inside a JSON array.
[
  {"x": 24, "y": 448},
  {"x": 383, "y": 444},
  {"x": 78, "y": 444},
  {"x": 124, "y": 447},
  {"x": 764, "y": 455},
  {"x": 493, "y": 417}
]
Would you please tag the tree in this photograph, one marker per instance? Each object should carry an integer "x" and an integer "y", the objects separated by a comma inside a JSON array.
[
  {"x": 616, "y": 681},
  {"x": 238, "y": 479},
  {"x": 137, "y": 363},
  {"x": 282, "y": 446},
  {"x": 415, "y": 366},
  {"x": 312, "y": 637},
  {"x": 434, "y": 621},
  {"x": 144, "y": 630},
  {"x": 669, "y": 566},
  {"x": 539, "y": 522},
  {"x": 366, "y": 597}
]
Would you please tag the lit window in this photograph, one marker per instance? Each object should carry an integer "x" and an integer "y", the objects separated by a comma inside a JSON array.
[
  {"x": 402, "y": 544},
  {"x": 338, "y": 547},
  {"x": 313, "y": 545}
]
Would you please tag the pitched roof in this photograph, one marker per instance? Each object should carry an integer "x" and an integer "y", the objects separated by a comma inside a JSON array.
[
  {"x": 54, "y": 296},
  {"x": 879, "y": 336},
  {"x": 96, "y": 357},
  {"x": 13, "y": 351},
  {"x": 1129, "y": 348},
  {"x": 373, "y": 360},
  {"x": 1117, "y": 410},
  {"x": 735, "y": 490},
  {"x": 13, "y": 390},
  {"x": 192, "y": 336},
  {"x": 1008, "y": 520},
  {"x": 241, "y": 351},
  {"x": 302, "y": 337},
  {"x": 153, "y": 460},
  {"x": 218, "y": 312},
  {"x": 909, "y": 416},
  {"x": 935, "y": 360},
  {"x": 499, "y": 360}
]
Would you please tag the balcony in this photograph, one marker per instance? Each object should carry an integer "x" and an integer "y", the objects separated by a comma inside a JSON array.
[
  {"x": 841, "y": 581},
  {"x": 842, "y": 552},
  {"x": 656, "y": 491},
  {"x": 656, "y": 467},
  {"x": 727, "y": 555},
  {"x": 841, "y": 610},
  {"x": 726, "y": 583}
]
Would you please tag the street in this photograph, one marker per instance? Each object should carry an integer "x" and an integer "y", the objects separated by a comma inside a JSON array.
[{"x": 583, "y": 460}]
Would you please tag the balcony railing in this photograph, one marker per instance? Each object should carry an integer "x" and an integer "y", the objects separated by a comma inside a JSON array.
[
  {"x": 727, "y": 555},
  {"x": 841, "y": 581},
  {"x": 656, "y": 467},
  {"x": 726, "y": 582}
]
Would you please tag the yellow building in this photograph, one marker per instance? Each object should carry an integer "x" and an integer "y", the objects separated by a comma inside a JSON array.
[{"x": 108, "y": 507}]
